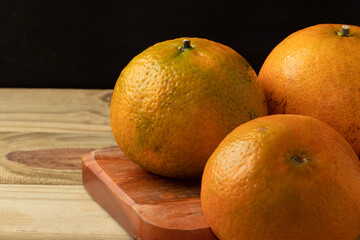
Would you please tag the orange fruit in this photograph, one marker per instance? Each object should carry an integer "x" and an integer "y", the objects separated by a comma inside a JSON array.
[
  {"x": 315, "y": 72},
  {"x": 283, "y": 177},
  {"x": 175, "y": 101}
]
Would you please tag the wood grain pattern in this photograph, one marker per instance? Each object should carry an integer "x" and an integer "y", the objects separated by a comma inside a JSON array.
[
  {"x": 41, "y": 158},
  {"x": 54, "y": 110},
  {"x": 34, "y": 121},
  {"x": 148, "y": 206},
  {"x": 35, "y": 124},
  {"x": 55, "y": 158},
  {"x": 53, "y": 212}
]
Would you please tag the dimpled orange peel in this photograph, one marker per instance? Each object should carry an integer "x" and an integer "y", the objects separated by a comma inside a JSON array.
[
  {"x": 174, "y": 102},
  {"x": 316, "y": 72},
  {"x": 283, "y": 177}
]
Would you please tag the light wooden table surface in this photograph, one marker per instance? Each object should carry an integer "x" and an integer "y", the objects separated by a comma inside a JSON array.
[{"x": 43, "y": 134}]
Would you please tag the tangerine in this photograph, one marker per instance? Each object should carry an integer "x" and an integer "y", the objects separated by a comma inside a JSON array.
[
  {"x": 283, "y": 177},
  {"x": 174, "y": 103},
  {"x": 315, "y": 72}
]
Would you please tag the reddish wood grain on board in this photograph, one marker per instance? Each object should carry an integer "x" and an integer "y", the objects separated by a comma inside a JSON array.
[{"x": 147, "y": 206}]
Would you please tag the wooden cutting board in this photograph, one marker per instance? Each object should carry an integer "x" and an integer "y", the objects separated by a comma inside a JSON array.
[{"x": 147, "y": 206}]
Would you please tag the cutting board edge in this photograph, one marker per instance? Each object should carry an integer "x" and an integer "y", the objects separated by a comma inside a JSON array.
[
  {"x": 133, "y": 223},
  {"x": 90, "y": 162},
  {"x": 97, "y": 189}
]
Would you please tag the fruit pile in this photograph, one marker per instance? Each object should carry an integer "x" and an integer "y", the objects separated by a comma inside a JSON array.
[{"x": 277, "y": 153}]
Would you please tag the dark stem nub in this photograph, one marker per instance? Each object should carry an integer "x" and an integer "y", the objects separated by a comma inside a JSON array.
[
  {"x": 344, "y": 31},
  {"x": 298, "y": 159},
  {"x": 186, "y": 45}
]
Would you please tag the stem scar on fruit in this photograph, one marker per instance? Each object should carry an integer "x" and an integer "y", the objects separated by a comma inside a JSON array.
[
  {"x": 344, "y": 31},
  {"x": 299, "y": 159},
  {"x": 185, "y": 46}
]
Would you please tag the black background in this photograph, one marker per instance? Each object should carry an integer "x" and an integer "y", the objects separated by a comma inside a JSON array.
[{"x": 86, "y": 44}]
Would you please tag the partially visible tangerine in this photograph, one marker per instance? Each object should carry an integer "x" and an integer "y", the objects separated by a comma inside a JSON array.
[
  {"x": 315, "y": 72},
  {"x": 283, "y": 177}
]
